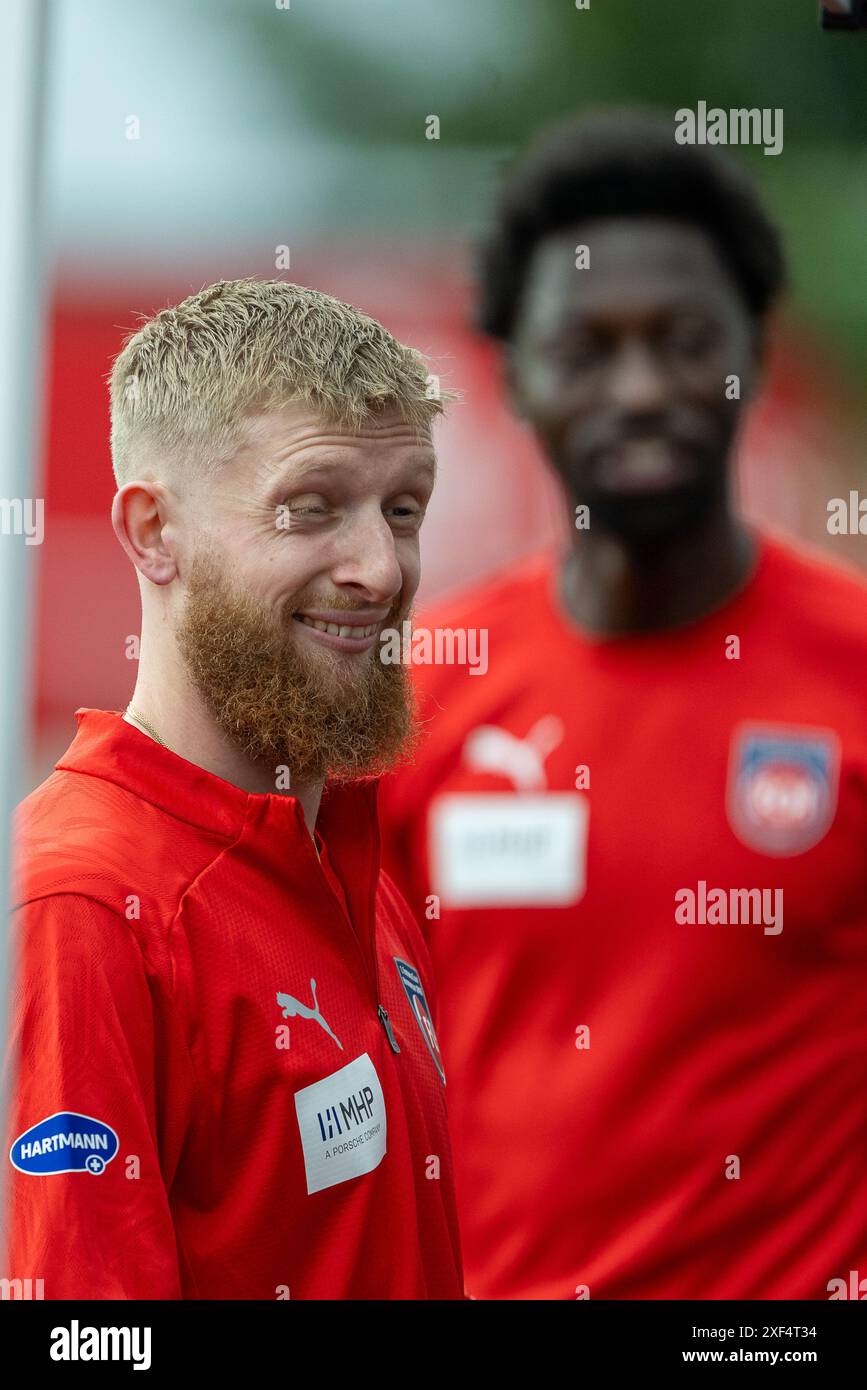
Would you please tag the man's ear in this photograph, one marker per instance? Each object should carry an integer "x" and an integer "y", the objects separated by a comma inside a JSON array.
[
  {"x": 761, "y": 352},
  {"x": 512, "y": 380}
]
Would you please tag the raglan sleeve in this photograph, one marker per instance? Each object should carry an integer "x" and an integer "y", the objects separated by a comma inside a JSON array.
[{"x": 86, "y": 1208}]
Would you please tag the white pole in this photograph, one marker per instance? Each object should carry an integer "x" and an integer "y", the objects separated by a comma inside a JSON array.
[{"x": 22, "y": 82}]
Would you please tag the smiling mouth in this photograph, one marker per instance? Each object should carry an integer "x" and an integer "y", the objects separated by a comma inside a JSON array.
[
  {"x": 643, "y": 466},
  {"x": 337, "y": 629}
]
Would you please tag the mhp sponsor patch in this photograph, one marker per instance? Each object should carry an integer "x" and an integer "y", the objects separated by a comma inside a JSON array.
[
  {"x": 509, "y": 849},
  {"x": 342, "y": 1123},
  {"x": 782, "y": 787},
  {"x": 64, "y": 1143},
  {"x": 411, "y": 981}
]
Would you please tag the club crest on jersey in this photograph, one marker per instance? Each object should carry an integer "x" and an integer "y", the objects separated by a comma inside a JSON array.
[
  {"x": 782, "y": 787},
  {"x": 65, "y": 1143},
  {"x": 411, "y": 981}
]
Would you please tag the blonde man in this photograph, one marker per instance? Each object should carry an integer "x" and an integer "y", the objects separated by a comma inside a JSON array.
[{"x": 223, "y": 1086}]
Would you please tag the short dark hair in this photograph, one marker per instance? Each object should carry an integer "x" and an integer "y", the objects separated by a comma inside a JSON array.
[{"x": 624, "y": 163}]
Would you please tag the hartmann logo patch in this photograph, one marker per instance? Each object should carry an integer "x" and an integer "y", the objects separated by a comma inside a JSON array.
[{"x": 65, "y": 1143}]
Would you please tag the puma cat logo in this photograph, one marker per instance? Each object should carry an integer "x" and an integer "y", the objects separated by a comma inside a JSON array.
[
  {"x": 522, "y": 760},
  {"x": 293, "y": 1008}
]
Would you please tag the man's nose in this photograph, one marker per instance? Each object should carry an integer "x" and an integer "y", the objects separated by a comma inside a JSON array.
[
  {"x": 637, "y": 383},
  {"x": 367, "y": 557}
]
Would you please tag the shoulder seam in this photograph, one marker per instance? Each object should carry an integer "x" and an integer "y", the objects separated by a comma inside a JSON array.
[{"x": 136, "y": 796}]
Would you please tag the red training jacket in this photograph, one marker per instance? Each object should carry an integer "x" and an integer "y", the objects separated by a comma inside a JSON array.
[
  {"x": 649, "y": 1101},
  {"x": 206, "y": 1101}
]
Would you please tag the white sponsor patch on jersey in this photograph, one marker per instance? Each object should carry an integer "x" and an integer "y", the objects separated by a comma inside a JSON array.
[
  {"x": 497, "y": 849},
  {"x": 343, "y": 1125}
]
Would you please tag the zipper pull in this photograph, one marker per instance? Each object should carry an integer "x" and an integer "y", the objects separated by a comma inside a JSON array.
[{"x": 389, "y": 1031}]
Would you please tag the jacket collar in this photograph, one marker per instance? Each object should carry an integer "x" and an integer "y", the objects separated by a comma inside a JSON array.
[{"x": 107, "y": 746}]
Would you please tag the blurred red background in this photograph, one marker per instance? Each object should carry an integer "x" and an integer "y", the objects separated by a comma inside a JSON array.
[{"x": 494, "y": 499}]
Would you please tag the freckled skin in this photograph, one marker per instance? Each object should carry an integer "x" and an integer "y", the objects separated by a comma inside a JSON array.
[{"x": 620, "y": 370}]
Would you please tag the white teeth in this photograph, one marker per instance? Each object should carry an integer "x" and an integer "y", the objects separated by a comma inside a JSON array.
[{"x": 339, "y": 629}]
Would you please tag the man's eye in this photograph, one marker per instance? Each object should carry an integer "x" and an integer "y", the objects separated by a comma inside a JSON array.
[
  {"x": 581, "y": 350},
  {"x": 405, "y": 514},
  {"x": 311, "y": 505},
  {"x": 691, "y": 336}
]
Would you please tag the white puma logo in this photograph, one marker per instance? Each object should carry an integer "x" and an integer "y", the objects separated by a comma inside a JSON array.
[
  {"x": 294, "y": 1008},
  {"x": 489, "y": 749}
]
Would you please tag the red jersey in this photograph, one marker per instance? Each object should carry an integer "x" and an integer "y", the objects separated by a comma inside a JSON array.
[
  {"x": 641, "y": 864},
  {"x": 224, "y": 1083}
]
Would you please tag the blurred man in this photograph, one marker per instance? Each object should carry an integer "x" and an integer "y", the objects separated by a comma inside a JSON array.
[
  {"x": 224, "y": 1087},
  {"x": 638, "y": 844}
]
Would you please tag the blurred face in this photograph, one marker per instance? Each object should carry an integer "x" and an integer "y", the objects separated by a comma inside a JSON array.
[
  {"x": 621, "y": 370},
  {"x": 307, "y": 547}
]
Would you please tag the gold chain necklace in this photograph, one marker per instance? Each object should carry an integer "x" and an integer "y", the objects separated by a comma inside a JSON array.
[{"x": 138, "y": 719}]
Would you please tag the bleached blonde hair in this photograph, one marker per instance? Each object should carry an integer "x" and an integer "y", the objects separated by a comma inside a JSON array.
[{"x": 186, "y": 381}]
